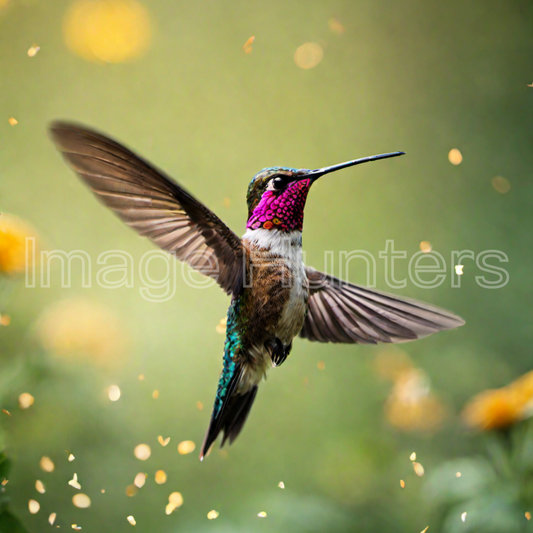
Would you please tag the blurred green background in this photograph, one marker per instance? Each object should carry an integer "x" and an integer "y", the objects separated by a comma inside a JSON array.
[{"x": 418, "y": 76}]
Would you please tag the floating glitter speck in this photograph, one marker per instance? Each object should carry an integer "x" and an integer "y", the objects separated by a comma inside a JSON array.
[
  {"x": 74, "y": 482},
  {"x": 131, "y": 490},
  {"x": 71, "y": 458},
  {"x": 142, "y": 451},
  {"x": 75, "y": 526},
  {"x": 212, "y": 515},
  {"x": 247, "y": 47},
  {"x": 82, "y": 501},
  {"x": 5, "y": 320},
  {"x": 402, "y": 483},
  {"x": 131, "y": 520},
  {"x": 308, "y": 55},
  {"x": 186, "y": 446},
  {"x": 32, "y": 52},
  {"x": 419, "y": 469},
  {"x": 169, "y": 508},
  {"x": 140, "y": 480},
  {"x": 155, "y": 394},
  {"x": 335, "y": 26},
  {"x": 5, "y": 482},
  {"x": 26, "y": 400},
  {"x": 13, "y": 121},
  {"x": 39, "y": 486},
  {"x": 160, "y": 477},
  {"x": 281, "y": 485},
  {"x": 501, "y": 184},
  {"x": 455, "y": 157},
  {"x": 52, "y": 518},
  {"x": 34, "y": 506},
  {"x": 321, "y": 365},
  {"x": 458, "y": 474},
  {"x": 6, "y": 412},
  {"x": 425, "y": 246},
  {"x": 527, "y": 515},
  {"x": 199, "y": 406},
  {"x": 425, "y": 529},
  {"x": 163, "y": 441},
  {"x": 262, "y": 514},
  {"x": 463, "y": 517},
  {"x": 46, "y": 464},
  {"x": 412, "y": 457},
  {"x": 113, "y": 393},
  {"x": 459, "y": 269}
]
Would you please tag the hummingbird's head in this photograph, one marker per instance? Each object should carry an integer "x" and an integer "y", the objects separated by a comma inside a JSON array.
[{"x": 276, "y": 195}]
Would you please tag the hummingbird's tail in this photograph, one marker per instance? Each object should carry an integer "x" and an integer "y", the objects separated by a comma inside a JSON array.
[{"x": 231, "y": 408}]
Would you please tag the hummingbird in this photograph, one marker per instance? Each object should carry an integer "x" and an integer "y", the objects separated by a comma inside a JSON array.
[{"x": 274, "y": 296}]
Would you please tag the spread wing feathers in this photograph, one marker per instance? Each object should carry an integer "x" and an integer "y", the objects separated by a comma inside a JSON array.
[
  {"x": 151, "y": 203},
  {"x": 342, "y": 312}
]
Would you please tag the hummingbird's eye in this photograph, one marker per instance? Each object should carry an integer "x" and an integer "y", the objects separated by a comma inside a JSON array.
[{"x": 278, "y": 183}]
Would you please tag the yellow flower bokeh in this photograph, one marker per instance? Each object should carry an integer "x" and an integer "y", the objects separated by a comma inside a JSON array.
[
  {"x": 13, "y": 234},
  {"x": 500, "y": 408},
  {"x": 108, "y": 31},
  {"x": 81, "y": 328}
]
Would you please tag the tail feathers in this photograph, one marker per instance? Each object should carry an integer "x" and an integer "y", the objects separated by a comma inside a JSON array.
[{"x": 230, "y": 419}]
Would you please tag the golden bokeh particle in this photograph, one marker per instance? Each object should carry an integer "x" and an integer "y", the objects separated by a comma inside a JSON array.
[
  {"x": 131, "y": 490},
  {"x": 527, "y": 514},
  {"x": 455, "y": 157},
  {"x": 33, "y": 506},
  {"x": 227, "y": 203},
  {"x": 262, "y": 514},
  {"x": 459, "y": 269},
  {"x": 140, "y": 480},
  {"x": 52, "y": 518},
  {"x": 176, "y": 499},
  {"x": 412, "y": 457},
  {"x": 402, "y": 483},
  {"x": 82, "y": 501},
  {"x": 155, "y": 394},
  {"x": 335, "y": 26},
  {"x": 463, "y": 517},
  {"x": 142, "y": 452},
  {"x": 39, "y": 486},
  {"x": 308, "y": 55},
  {"x": 141, "y": 377},
  {"x": 76, "y": 527},
  {"x": 163, "y": 441},
  {"x": 107, "y": 31},
  {"x": 501, "y": 184},
  {"x": 211, "y": 515},
  {"x": 199, "y": 406},
  {"x": 12, "y": 121},
  {"x": 186, "y": 446},
  {"x": 46, "y": 464},
  {"x": 113, "y": 393},
  {"x": 74, "y": 482},
  {"x": 6, "y": 412},
  {"x": 425, "y": 529},
  {"x": 26, "y": 400},
  {"x": 131, "y": 520},
  {"x": 425, "y": 246},
  {"x": 32, "y": 51},
  {"x": 457, "y": 474},
  {"x": 247, "y": 47},
  {"x": 160, "y": 477},
  {"x": 71, "y": 458},
  {"x": 419, "y": 469},
  {"x": 281, "y": 485},
  {"x": 221, "y": 326},
  {"x": 5, "y": 320},
  {"x": 321, "y": 365}
]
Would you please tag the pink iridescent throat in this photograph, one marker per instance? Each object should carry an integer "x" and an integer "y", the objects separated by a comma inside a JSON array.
[{"x": 284, "y": 211}]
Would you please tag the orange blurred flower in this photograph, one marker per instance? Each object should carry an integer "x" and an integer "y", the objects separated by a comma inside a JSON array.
[
  {"x": 500, "y": 408},
  {"x": 13, "y": 234}
]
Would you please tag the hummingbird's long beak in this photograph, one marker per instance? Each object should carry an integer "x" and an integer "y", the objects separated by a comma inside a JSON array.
[{"x": 317, "y": 173}]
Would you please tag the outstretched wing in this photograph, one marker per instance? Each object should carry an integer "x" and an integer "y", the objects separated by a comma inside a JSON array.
[
  {"x": 342, "y": 312},
  {"x": 151, "y": 203}
]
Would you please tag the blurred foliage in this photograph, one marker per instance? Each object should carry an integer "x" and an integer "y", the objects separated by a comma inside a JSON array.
[{"x": 321, "y": 82}]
